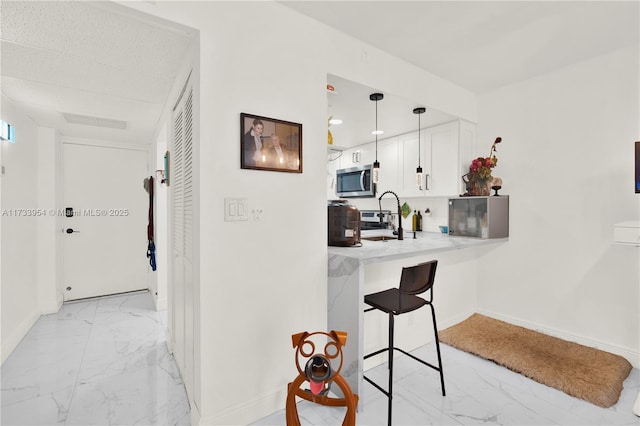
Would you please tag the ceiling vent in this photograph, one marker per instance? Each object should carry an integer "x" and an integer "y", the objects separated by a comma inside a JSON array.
[{"x": 94, "y": 121}]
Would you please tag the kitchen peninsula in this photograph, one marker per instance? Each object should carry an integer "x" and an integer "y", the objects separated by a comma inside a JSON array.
[{"x": 376, "y": 265}]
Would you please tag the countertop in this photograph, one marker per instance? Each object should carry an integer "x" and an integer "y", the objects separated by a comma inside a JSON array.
[{"x": 424, "y": 243}]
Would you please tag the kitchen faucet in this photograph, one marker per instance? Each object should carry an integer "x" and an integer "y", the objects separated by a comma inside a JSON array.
[{"x": 400, "y": 237}]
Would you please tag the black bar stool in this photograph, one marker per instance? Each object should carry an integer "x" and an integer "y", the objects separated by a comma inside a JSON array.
[{"x": 395, "y": 301}]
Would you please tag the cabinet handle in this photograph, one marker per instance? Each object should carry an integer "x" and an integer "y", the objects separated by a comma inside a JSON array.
[{"x": 426, "y": 182}]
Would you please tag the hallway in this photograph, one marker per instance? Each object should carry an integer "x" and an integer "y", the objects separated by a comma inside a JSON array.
[{"x": 100, "y": 361}]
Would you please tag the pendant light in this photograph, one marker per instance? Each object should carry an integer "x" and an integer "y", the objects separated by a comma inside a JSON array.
[
  {"x": 419, "y": 111},
  {"x": 376, "y": 165}
]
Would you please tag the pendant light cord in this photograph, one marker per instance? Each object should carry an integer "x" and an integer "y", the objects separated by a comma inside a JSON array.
[
  {"x": 376, "y": 97},
  {"x": 419, "y": 140},
  {"x": 376, "y": 130}
]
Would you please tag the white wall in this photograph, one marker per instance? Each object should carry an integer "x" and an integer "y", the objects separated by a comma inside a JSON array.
[
  {"x": 19, "y": 277},
  {"x": 50, "y": 222},
  {"x": 261, "y": 281},
  {"x": 567, "y": 163},
  {"x": 158, "y": 279}
]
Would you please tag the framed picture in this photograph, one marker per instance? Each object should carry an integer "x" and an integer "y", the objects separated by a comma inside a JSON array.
[{"x": 270, "y": 144}]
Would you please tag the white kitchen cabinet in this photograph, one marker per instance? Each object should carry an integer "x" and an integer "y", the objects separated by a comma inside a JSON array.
[
  {"x": 349, "y": 158},
  {"x": 408, "y": 162},
  {"x": 442, "y": 145},
  {"x": 387, "y": 157},
  {"x": 445, "y": 155},
  {"x": 389, "y": 170},
  {"x": 440, "y": 157},
  {"x": 358, "y": 156}
]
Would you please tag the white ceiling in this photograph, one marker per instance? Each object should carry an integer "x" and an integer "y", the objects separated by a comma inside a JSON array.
[
  {"x": 97, "y": 59},
  {"x": 482, "y": 45},
  {"x": 350, "y": 102},
  {"x": 91, "y": 59},
  {"x": 477, "y": 45}
]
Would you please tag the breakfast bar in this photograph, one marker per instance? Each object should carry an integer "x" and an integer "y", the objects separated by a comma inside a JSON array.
[{"x": 358, "y": 270}]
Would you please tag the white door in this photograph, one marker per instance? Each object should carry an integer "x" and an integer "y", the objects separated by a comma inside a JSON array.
[
  {"x": 182, "y": 214},
  {"x": 105, "y": 240}
]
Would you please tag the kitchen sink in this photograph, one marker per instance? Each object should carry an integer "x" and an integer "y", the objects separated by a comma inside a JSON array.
[{"x": 379, "y": 238}]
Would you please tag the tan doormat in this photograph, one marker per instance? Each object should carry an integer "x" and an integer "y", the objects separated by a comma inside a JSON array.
[{"x": 586, "y": 373}]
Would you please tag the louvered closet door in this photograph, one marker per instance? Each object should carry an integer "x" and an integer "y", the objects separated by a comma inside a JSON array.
[{"x": 182, "y": 235}]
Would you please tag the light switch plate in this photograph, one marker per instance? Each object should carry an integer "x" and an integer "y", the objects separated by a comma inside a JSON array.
[{"x": 235, "y": 209}]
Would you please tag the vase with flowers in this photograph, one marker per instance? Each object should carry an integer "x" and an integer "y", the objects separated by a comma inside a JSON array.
[{"x": 479, "y": 179}]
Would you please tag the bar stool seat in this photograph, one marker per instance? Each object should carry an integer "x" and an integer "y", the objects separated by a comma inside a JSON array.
[
  {"x": 392, "y": 300},
  {"x": 396, "y": 301}
]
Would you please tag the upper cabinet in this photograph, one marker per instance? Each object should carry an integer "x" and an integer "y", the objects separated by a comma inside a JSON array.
[
  {"x": 387, "y": 157},
  {"x": 389, "y": 170},
  {"x": 442, "y": 146},
  {"x": 408, "y": 163},
  {"x": 360, "y": 155},
  {"x": 445, "y": 154},
  {"x": 444, "y": 151}
]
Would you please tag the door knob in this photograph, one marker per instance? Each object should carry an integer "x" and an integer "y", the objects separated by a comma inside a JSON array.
[{"x": 71, "y": 231}]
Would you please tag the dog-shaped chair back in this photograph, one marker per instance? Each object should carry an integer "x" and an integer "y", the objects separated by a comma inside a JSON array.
[{"x": 321, "y": 369}]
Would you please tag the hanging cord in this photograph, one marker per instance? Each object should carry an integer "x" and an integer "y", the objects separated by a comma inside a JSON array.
[
  {"x": 419, "y": 114},
  {"x": 376, "y": 130}
]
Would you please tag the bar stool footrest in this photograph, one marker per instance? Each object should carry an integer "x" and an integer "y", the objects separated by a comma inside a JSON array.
[
  {"x": 418, "y": 359},
  {"x": 379, "y": 351},
  {"x": 377, "y": 386}
]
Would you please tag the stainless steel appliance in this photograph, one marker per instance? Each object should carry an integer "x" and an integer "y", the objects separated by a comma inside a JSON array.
[
  {"x": 355, "y": 182},
  {"x": 344, "y": 223},
  {"x": 370, "y": 219},
  {"x": 479, "y": 217}
]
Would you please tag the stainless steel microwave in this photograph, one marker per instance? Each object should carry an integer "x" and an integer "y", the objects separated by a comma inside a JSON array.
[{"x": 355, "y": 182}]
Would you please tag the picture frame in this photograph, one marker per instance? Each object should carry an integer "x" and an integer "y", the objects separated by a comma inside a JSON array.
[{"x": 270, "y": 144}]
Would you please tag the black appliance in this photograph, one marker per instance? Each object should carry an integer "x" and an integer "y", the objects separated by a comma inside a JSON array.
[{"x": 344, "y": 223}]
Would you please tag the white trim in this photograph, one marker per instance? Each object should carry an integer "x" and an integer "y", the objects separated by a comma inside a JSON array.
[
  {"x": 245, "y": 413},
  {"x": 51, "y": 308},
  {"x": 16, "y": 336},
  {"x": 454, "y": 320},
  {"x": 632, "y": 356},
  {"x": 161, "y": 303}
]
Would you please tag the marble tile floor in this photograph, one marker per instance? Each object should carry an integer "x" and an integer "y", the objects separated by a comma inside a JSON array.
[
  {"x": 105, "y": 362},
  {"x": 479, "y": 392},
  {"x": 96, "y": 362}
]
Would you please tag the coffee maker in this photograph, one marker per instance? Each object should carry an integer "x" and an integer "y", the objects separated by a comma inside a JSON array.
[{"x": 344, "y": 223}]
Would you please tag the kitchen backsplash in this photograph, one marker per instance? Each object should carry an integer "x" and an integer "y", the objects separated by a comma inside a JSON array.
[{"x": 439, "y": 207}]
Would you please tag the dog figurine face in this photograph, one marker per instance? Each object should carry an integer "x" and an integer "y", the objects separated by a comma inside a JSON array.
[{"x": 320, "y": 368}]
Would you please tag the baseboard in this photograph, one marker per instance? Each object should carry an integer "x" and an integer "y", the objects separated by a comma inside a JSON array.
[
  {"x": 161, "y": 304},
  {"x": 632, "y": 356},
  {"x": 11, "y": 342},
  {"x": 448, "y": 322},
  {"x": 249, "y": 411},
  {"x": 51, "y": 308}
]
